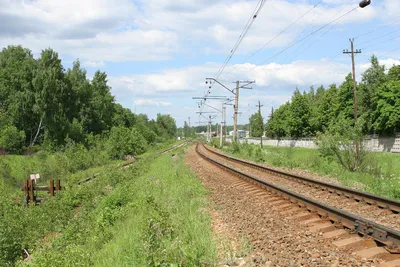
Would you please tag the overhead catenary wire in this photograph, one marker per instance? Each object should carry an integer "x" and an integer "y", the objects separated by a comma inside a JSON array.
[
  {"x": 277, "y": 35},
  {"x": 296, "y": 42},
  {"x": 245, "y": 30},
  {"x": 248, "y": 25},
  {"x": 319, "y": 37},
  {"x": 377, "y": 29},
  {"x": 384, "y": 35}
]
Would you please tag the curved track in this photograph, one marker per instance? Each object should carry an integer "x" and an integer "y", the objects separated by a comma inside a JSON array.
[
  {"x": 384, "y": 235},
  {"x": 383, "y": 202}
]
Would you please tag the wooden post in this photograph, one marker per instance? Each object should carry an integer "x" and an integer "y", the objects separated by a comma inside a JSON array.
[
  {"x": 26, "y": 191},
  {"x": 31, "y": 192},
  {"x": 58, "y": 186},
  {"x": 51, "y": 188}
]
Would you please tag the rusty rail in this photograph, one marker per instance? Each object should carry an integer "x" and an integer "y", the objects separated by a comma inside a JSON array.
[
  {"x": 382, "y": 234},
  {"x": 383, "y": 202}
]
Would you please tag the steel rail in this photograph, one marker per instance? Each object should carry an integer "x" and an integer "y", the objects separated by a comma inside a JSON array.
[
  {"x": 383, "y": 202},
  {"x": 382, "y": 234}
]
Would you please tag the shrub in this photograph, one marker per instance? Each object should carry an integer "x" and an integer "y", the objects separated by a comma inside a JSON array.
[
  {"x": 11, "y": 139},
  {"x": 235, "y": 147},
  {"x": 344, "y": 143},
  {"x": 124, "y": 141}
]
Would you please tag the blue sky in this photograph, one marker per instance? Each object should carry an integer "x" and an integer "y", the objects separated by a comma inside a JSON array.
[{"x": 157, "y": 53}]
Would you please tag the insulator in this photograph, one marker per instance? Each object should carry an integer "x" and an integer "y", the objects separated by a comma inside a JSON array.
[
  {"x": 206, "y": 82},
  {"x": 364, "y": 3}
]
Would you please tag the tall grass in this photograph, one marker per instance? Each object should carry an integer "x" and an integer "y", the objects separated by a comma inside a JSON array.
[
  {"x": 152, "y": 213},
  {"x": 167, "y": 222}
]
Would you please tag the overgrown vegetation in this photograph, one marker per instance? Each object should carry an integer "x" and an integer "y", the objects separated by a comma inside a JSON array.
[
  {"x": 43, "y": 104},
  {"x": 313, "y": 112},
  {"x": 344, "y": 143},
  {"x": 153, "y": 213},
  {"x": 378, "y": 173}
]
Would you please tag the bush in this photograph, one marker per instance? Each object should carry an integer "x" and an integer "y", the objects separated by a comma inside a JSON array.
[
  {"x": 344, "y": 143},
  {"x": 124, "y": 141},
  {"x": 235, "y": 147},
  {"x": 11, "y": 139}
]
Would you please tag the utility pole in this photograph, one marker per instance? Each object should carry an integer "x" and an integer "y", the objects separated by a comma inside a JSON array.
[
  {"x": 224, "y": 115},
  {"x": 222, "y": 123},
  {"x": 236, "y": 108},
  {"x": 262, "y": 123},
  {"x": 189, "y": 121},
  {"x": 248, "y": 112},
  {"x": 236, "y": 93},
  {"x": 352, "y": 52}
]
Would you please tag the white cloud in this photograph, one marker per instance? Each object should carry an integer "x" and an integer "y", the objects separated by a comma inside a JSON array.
[
  {"x": 92, "y": 30},
  {"x": 388, "y": 63},
  {"x": 150, "y": 102},
  {"x": 93, "y": 64},
  {"x": 124, "y": 30}
]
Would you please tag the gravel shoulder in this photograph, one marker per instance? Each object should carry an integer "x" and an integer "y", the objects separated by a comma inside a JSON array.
[{"x": 275, "y": 239}]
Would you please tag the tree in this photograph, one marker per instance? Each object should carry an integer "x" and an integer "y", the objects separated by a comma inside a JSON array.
[
  {"x": 53, "y": 97},
  {"x": 299, "y": 119},
  {"x": 187, "y": 131},
  {"x": 387, "y": 112},
  {"x": 346, "y": 99},
  {"x": 101, "y": 104},
  {"x": 166, "y": 126},
  {"x": 17, "y": 67},
  {"x": 372, "y": 79},
  {"x": 81, "y": 93},
  {"x": 277, "y": 125},
  {"x": 256, "y": 125}
]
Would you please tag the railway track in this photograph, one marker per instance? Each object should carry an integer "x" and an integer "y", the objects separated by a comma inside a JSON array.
[
  {"x": 356, "y": 195},
  {"x": 386, "y": 237}
]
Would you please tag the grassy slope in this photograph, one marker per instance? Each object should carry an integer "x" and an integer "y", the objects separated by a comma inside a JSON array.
[
  {"x": 382, "y": 176},
  {"x": 167, "y": 221},
  {"x": 153, "y": 213}
]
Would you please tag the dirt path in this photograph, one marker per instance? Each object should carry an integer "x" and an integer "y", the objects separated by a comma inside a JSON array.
[{"x": 247, "y": 216}]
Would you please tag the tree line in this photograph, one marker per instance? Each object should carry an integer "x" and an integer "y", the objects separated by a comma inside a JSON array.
[
  {"x": 323, "y": 109},
  {"x": 42, "y": 104}
]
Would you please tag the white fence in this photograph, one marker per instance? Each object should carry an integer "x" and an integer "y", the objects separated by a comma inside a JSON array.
[{"x": 379, "y": 144}]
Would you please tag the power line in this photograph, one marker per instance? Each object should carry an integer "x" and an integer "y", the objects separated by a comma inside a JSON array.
[
  {"x": 296, "y": 42},
  {"x": 376, "y": 38},
  {"x": 376, "y": 29},
  {"x": 385, "y": 41},
  {"x": 279, "y": 34},
  {"x": 242, "y": 35},
  {"x": 319, "y": 37}
]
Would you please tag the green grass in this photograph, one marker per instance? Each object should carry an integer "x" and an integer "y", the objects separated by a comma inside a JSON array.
[
  {"x": 14, "y": 169},
  {"x": 152, "y": 213},
  {"x": 381, "y": 177},
  {"x": 167, "y": 222}
]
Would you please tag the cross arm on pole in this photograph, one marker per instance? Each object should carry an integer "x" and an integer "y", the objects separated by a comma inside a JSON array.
[
  {"x": 230, "y": 90},
  {"x": 211, "y": 107}
]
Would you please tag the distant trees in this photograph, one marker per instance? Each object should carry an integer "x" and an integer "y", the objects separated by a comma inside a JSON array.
[
  {"x": 309, "y": 113},
  {"x": 256, "y": 125},
  {"x": 41, "y": 103}
]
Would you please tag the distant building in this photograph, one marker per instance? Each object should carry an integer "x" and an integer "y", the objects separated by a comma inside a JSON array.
[{"x": 241, "y": 133}]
